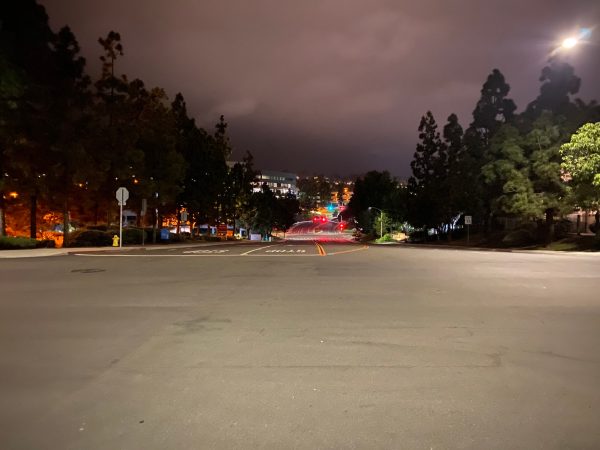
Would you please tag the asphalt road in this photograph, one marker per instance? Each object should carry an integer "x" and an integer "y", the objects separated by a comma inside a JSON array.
[{"x": 334, "y": 347}]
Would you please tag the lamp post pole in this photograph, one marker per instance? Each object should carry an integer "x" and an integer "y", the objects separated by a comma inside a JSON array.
[{"x": 380, "y": 220}]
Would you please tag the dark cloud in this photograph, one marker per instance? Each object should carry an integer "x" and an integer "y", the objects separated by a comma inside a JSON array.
[{"x": 333, "y": 86}]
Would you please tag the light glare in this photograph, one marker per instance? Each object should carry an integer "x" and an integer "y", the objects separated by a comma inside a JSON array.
[{"x": 569, "y": 42}]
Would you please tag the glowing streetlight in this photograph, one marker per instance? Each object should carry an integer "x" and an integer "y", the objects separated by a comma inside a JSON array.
[{"x": 569, "y": 43}]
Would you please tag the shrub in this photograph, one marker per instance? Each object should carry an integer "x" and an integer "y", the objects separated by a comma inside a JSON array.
[
  {"x": 518, "y": 238},
  {"x": 418, "y": 236},
  {"x": 562, "y": 228},
  {"x": 91, "y": 238},
  {"x": 174, "y": 237},
  {"x": 97, "y": 227},
  {"x": 385, "y": 238},
  {"x": 17, "y": 243},
  {"x": 132, "y": 236},
  {"x": 46, "y": 243},
  {"x": 528, "y": 226}
]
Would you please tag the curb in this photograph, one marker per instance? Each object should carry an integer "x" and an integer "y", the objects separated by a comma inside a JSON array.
[
  {"x": 49, "y": 252},
  {"x": 530, "y": 250}
]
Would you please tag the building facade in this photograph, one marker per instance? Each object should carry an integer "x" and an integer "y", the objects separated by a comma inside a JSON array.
[{"x": 281, "y": 183}]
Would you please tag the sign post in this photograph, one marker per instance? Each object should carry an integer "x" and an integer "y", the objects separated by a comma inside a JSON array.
[
  {"x": 143, "y": 214},
  {"x": 468, "y": 222},
  {"x": 122, "y": 197}
]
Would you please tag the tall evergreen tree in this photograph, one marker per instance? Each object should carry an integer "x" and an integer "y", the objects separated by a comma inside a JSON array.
[
  {"x": 559, "y": 83},
  {"x": 493, "y": 109},
  {"x": 427, "y": 169},
  {"x": 456, "y": 183},
  {"x": 28, "y": 69}
]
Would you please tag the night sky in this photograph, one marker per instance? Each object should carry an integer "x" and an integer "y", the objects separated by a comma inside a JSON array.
[{"x": 334, "y": 86}]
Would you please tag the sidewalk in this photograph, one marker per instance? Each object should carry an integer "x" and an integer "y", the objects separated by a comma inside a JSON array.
[{"x": 43, "y": 252}]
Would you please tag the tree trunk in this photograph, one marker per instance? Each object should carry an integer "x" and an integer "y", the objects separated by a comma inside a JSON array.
[
  {"x": 33, "y": 216},
  {"x": 2, "y": 216},
  {"x": 66, "y": 223},
  {"x": 154, "y": 223},
  {"x": 549, "y": 225}
]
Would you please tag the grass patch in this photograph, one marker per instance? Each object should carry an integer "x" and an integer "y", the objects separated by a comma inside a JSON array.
[
  {"x": 574, "y": 243},
  {"x": 385, "y": 239}
]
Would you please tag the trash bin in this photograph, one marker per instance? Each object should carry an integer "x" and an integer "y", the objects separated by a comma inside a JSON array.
[{"x": 164, "y": 234}]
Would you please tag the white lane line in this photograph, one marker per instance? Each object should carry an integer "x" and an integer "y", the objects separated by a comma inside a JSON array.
[{"x": 257, "y": 249}]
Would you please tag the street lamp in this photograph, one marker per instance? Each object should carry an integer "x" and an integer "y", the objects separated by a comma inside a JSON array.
[
  {"x": 569, "y": 42},
  {"x": 380, "y": 220}
]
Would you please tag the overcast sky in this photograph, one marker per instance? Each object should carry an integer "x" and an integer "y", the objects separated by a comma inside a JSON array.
[{"x": 333, "y": 86}]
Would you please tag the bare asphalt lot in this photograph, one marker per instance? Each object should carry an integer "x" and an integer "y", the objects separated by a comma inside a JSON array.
[{"x": 338, "y": 347}]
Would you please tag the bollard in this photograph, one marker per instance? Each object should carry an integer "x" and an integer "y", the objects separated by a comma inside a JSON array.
[{"x": 115, "y": 241}]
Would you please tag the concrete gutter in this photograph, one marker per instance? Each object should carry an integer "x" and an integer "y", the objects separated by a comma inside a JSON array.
[
  {"x": 531, "y": 250},
  {"x": 45, "y": 252}
]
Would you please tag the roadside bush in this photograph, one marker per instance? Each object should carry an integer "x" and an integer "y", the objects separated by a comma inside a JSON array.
[
  {"x": 528, "y": 226},
  {"x": 518, "y": 238},
  {"x": 562, "y": 228},
  {"x": 97, "y": 227},
  {"x": 592, "y": 228},
  {"x": 91, "y": 238},
  {"x": 418, "y": 236},
  {"x": 174, "y": 237},
  {"x": 212, "y": 238},
  {"x": 132, "y": 236},
  {"x": 17, "y": 243},
  {"x": 385, "y": 238},
  {"x": 46, "y": 243}
]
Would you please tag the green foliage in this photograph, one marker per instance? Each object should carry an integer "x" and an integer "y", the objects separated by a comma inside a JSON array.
[
  {"x": 506, "y": 164},
  {"x": 385, "y": 239},
  {"x": 558, "y": 83},
  {"x": 132, "y": 236},
  {"x": 91, "y": 238},
  {"x": 17, "y": 243},
  {"x": 378, "y": 190},
  {"x": 382, "y": 221},
  {"x": 581, "y": 156},
  {"x": 71, "y": 143},
  {"x": 519, "y": 238},
  {"x": 269, "y": 211},
  {"x": 428, "y": 168},
  {"x": 314, "y": 192}
]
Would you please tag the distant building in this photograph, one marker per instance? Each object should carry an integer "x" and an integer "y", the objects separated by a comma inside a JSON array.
[{"x": 281, "y": 183}]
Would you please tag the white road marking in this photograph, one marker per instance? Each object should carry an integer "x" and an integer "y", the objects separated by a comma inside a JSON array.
[
  {"x": 205, "y": 251},
  {"x": 257, "y": 249}
]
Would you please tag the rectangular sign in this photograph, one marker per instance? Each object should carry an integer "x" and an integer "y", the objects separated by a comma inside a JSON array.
[{"x": 468, "y": 220}]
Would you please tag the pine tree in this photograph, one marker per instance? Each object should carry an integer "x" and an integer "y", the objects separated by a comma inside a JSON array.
[
  {"x": 559, "y": 82},
  {"x": 493, "y": 109},
  {"x": 427, "y": 171}
]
